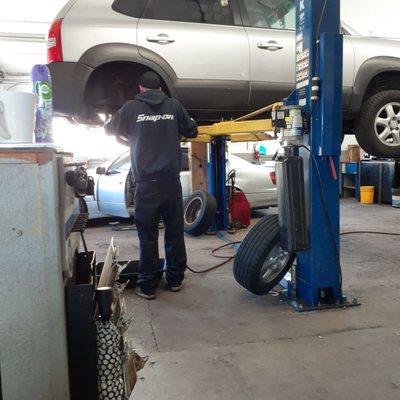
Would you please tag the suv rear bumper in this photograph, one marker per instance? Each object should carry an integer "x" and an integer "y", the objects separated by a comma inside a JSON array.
[{"x": 69, "y": 84}]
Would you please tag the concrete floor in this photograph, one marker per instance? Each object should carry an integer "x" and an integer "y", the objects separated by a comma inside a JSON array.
[{"x": 214, "y": 340}]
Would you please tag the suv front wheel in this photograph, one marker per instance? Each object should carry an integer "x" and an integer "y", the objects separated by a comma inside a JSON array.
[{"x": 378, "y": 129}]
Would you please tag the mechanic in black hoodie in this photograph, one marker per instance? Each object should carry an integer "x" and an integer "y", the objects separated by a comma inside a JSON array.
[{"x": 153, "y": 124}]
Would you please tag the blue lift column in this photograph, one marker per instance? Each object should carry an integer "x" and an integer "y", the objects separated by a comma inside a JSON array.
[
  {"x": 217, "y": 182},
  {"x": 319, "y": 55}
]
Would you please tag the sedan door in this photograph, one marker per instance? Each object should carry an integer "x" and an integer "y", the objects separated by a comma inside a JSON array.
[
  {"x": 270, "y": 25},
  {"x": 204, "y": 47},
  {"x": 111, "y": 188}
]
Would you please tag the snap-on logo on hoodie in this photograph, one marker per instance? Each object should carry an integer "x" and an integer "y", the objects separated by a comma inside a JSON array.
[{"x": 154, "y": 118}]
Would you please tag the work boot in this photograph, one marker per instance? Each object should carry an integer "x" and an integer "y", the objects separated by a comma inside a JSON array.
[
  {"x": 176, "y": 288},
  {"x": 145, "y": 294}
]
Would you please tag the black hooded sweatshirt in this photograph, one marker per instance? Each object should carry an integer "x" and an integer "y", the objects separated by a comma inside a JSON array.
[{"x": 153, "y": 124}]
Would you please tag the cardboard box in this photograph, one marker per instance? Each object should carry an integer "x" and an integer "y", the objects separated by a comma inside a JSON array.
[{"x": 354, "y": 153}]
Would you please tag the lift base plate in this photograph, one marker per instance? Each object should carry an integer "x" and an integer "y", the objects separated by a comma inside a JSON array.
[{"x": 301, "y": 306}]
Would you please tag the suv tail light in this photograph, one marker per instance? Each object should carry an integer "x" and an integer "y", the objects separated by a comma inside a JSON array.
[
  {"x": 54, "y": 46},
  {"x": 272, "y": 175}
]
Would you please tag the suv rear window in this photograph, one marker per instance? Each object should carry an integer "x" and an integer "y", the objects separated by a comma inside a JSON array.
[
  {"x": 133, "y": 8},
  {"x": 198, "y": 11}
]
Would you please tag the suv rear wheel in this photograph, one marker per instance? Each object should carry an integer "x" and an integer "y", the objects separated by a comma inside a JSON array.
[
  {"x": 378, "y": 129},
  {"x": 109, "y": 87}
]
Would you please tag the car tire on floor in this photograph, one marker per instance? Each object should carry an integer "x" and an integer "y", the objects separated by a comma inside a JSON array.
[
  {"x": 260, "y": 263},
  {"x": 199, "y": 212}
]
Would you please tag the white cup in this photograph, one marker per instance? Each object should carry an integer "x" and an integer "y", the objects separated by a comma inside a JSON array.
[{"x": 17, "y": 117}]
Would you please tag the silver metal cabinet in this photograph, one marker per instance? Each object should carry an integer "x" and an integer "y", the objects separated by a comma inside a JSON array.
[{"x": 36, "y": 257}]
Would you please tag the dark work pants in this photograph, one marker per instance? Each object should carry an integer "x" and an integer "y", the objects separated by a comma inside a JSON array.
[{"x": 153, "y": 200}]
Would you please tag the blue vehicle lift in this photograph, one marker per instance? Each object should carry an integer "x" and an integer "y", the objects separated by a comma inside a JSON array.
[
  {"x": 314, "y": 146},
  {"x": 319, "y": 66}
]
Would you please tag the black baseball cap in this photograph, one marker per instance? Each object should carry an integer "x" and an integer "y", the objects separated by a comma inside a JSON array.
[{"x": 150, "y": 80}]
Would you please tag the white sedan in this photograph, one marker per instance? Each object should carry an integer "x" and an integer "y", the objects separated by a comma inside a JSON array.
[{"x": 114, "y": 187}]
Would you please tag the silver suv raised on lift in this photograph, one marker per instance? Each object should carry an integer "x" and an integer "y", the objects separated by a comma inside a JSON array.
[{"x": 219, "y": 61}]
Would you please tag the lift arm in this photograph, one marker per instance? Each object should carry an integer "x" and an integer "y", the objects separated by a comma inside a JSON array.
[{"x": 241, "y": 129}]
